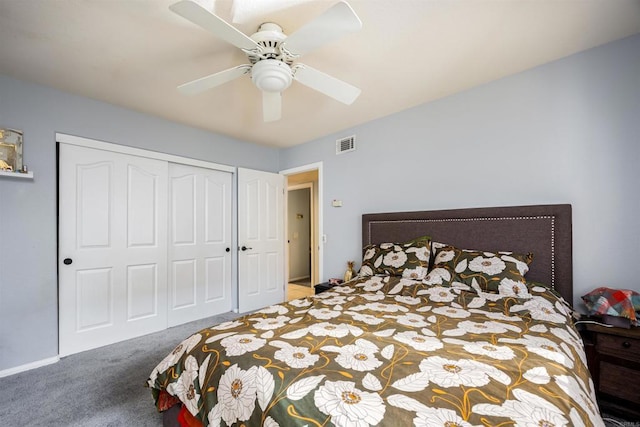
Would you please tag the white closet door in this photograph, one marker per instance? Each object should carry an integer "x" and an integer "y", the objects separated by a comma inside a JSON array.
[
  {"x": 112, "y": 247},
  {"x": 199, "y": 243},
  {"x": 261, "y": 278}
]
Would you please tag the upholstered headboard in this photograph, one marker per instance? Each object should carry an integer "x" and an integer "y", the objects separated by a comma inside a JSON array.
[{"x": 544, "y": 230}]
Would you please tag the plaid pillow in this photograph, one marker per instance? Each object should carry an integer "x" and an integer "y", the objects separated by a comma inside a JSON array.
[{"x": 409, "y": 260}]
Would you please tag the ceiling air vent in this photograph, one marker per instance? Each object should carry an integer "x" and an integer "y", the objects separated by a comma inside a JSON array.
[{"x": 344, "y": 145}]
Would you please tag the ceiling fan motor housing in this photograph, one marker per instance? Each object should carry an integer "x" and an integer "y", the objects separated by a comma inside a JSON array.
[
  {"x": 271, "y": 69},
  {"x": 271, "y": 75}
]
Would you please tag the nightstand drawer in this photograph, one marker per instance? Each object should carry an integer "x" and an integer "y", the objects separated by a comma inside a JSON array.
[
  {"x": 620, "y": 382},
  {"x": 622, "y": 347}
]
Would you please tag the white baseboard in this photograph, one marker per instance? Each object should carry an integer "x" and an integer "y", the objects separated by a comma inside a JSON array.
[{"x": 29, "y": 366}]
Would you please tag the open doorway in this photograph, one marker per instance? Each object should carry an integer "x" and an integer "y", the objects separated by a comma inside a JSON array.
[
  {"x": 299, "y": 236},
  {"x": 303, "y": 229}
]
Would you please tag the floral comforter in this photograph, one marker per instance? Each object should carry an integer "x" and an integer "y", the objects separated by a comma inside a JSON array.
[{"x": 388, "y": 351}]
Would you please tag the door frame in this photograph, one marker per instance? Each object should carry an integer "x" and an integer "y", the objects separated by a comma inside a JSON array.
[
  {"x": 312, "y": 228},
  {"x": 319, "y": 238}
]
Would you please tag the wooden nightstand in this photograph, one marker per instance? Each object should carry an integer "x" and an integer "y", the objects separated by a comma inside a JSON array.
[{"x": 613, "y": 355}]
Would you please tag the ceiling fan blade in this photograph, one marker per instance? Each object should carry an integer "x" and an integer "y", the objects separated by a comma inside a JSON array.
[
  {"x": 337, "y": 21},
  {"x": 213, "y": 80},
  {"x": 326, "y": 84},
  {"x": 271, "y": 106},
  {"x": 200, "y": 16}
]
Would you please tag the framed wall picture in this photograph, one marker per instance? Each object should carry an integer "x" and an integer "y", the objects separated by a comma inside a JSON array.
[{"x": 10, "y": 150}]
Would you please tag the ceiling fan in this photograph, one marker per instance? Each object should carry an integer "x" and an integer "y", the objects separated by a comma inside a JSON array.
[{"x": 272, "y": 54}]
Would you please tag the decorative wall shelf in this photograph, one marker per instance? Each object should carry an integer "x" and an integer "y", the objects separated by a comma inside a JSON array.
[{"x": 28, "y": 175}]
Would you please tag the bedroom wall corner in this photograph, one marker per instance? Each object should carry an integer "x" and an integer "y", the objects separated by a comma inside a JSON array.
[{"x": 564, "y": 132}]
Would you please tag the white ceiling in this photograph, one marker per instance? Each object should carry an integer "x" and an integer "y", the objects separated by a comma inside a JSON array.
[{"x": 134, "y": 53}]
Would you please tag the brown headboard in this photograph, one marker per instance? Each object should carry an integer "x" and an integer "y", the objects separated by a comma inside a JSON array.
[{"x": 544, "y": 230}]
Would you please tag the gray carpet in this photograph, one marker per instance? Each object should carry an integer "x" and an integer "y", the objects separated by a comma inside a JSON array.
[{"x": 104, "y": 387}]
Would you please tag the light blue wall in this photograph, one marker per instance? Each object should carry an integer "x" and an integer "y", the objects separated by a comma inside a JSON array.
[
  {"x": 28, "y": 245},
  {"x": 565, "y": 132}
]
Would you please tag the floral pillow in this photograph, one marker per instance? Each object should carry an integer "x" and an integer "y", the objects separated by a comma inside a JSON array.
[
  {"x": 499, "y": 272},
  {"x": 409, "y": 260}
]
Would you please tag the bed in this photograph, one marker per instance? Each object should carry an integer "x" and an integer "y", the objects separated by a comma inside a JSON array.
[{"x": 457, "y": 318}]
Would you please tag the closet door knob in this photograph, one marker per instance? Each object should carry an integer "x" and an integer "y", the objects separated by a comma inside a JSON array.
[
  {"x": 67, "y": 261},
  {"x": 227, "y": 250},
  {"x": 244, "y": 248}
]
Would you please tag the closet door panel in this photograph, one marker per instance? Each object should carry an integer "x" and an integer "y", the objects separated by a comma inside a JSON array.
[
  {"x": 112, "y": 247},
  {"x": 200, "y": 223}
]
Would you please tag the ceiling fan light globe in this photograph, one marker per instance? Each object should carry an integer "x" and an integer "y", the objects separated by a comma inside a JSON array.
[{"x": 271, "y": 75}]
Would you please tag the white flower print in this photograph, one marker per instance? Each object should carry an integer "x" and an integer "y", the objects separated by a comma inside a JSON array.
[
  {"x": 303, "y": 302},
  {"x": 527, "y": 410},
  {"x": 454, "y": 312},
  {"x": 522, "y": 267},
  {"x": 374, "y": 284},
  {"x": 418, "y": 341},
  {"x": 484, "y": 265},
  {"x": 359, "y": 356},
  {"x": 466, "y": 326},
  {"x": 444, "y": 256},
  {"x": 274, "y": 309},
  {"x": 416, "y": 273},
  {"x": 270, "y": 322},
  {"x": 466, "y": 372},
  {"x": 538, "y": 375},
  {"x": 405, "y": 299},
  {"x": 580, "y": 395},
  {"x": 365, "y": 270},
  {"x": 184, "y": 347},
  {"x": 237, "y": 345},
  {"x": 494, "y": 315},
  {"x": 571, "y": 339},
  {"x": 343, "y": 289},
  {"x": 422, "y": 252},
  {"x": 348, "y": 405},
  {"x": 395, "y": 259},
  {"x": 439, "y": 417},
  {"x": 369, "y": 253},
  {"x": 437, "y": 276},
  {"x": 366, "y": 318},
  {"x": 379, "y": 306},
  {"x": 484, "y": 348},
  {"x": 439, "y": 294},
  {"x": 411, "y": 319},
  {"x": 293, "y": 356},
  {"x": 542, "y": 347},
  {"x": 184, "y": 388},
  {"x": 539, "y": 328},
  {"x": 540, "y": 309},
  {"x": 513, "y": 288},
  {"x": 374, "y": 297},
  {"x": 323, "y": 313},
  {"x": 335, "y": 300},
  {"x": 227, "y": 325},
  {"x": 378, "y": 262},
  {"x": 335, "y": 330},
  {"x": 237, "y": 394}
]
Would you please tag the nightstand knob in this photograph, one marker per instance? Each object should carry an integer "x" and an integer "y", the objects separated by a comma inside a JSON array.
[{"x": 626, "y": 344}]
